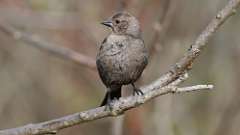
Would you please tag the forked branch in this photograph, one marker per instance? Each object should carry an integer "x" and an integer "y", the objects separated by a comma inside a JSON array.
[{"x": 167, "y": 83}]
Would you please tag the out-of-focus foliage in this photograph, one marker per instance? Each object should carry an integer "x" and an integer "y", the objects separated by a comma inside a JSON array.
[{"x": 36, "y": 86}]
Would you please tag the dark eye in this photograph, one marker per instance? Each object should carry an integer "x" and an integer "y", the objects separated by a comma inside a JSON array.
[{"x": 117, "y": 21}]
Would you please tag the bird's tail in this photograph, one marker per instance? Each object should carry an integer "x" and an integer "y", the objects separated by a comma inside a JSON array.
[{"x": 114, "y": 93}]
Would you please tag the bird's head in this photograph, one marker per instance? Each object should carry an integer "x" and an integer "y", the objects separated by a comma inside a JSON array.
[{"x": 124, "y": 23}]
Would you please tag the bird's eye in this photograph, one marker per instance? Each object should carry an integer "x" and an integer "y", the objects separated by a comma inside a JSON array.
[{"x": 117, "y": 21}]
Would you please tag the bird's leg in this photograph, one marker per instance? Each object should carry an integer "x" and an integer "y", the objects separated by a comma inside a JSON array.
[
  {"x": 136, "y": 90},
  {"x": 108, "y": 104}
]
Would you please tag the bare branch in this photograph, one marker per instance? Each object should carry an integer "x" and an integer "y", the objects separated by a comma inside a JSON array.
[
  {"x": 160, "y": 87},
  {"x": 118, "y": 107},
  {"x": 51, "y": 48},
  {"x": 194, "y": 88},
  {"x": 185, "y": 63},
  {"x": 179, "y": 80}
]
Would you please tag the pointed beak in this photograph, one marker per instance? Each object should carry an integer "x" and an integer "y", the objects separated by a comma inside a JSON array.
[{"x": 107, "y": 23}]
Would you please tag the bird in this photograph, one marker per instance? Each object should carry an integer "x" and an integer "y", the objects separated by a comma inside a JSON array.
[{"x": 122, "y": 56}]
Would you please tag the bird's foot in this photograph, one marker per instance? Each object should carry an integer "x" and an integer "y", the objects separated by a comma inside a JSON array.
[
  {"x": 137, "y": 91},
  {"x": 108, "y": 106}
]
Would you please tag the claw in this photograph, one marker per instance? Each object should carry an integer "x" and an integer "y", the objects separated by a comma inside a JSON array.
[{"x": 136, "y": 90}]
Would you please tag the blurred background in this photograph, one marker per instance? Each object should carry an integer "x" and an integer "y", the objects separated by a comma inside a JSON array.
[{"x": 39, "y": 84}]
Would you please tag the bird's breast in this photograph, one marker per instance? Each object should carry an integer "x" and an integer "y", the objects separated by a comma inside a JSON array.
[{"x": 122, "y": 61}]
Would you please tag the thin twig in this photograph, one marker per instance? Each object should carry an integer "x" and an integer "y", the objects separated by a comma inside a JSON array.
[
  {"x": 194, "y": 88},
  {"x": 51, "y": 48}
]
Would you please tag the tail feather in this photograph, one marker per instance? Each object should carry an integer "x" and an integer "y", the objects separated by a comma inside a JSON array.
[{"x": 114, "y": 93}]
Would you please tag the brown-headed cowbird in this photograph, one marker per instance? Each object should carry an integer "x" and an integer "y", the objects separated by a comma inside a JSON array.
[{"x": 122, "y": 56}]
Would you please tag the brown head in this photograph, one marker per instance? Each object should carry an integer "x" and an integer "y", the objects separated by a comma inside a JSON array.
[{"x": 124, "y": 23}]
